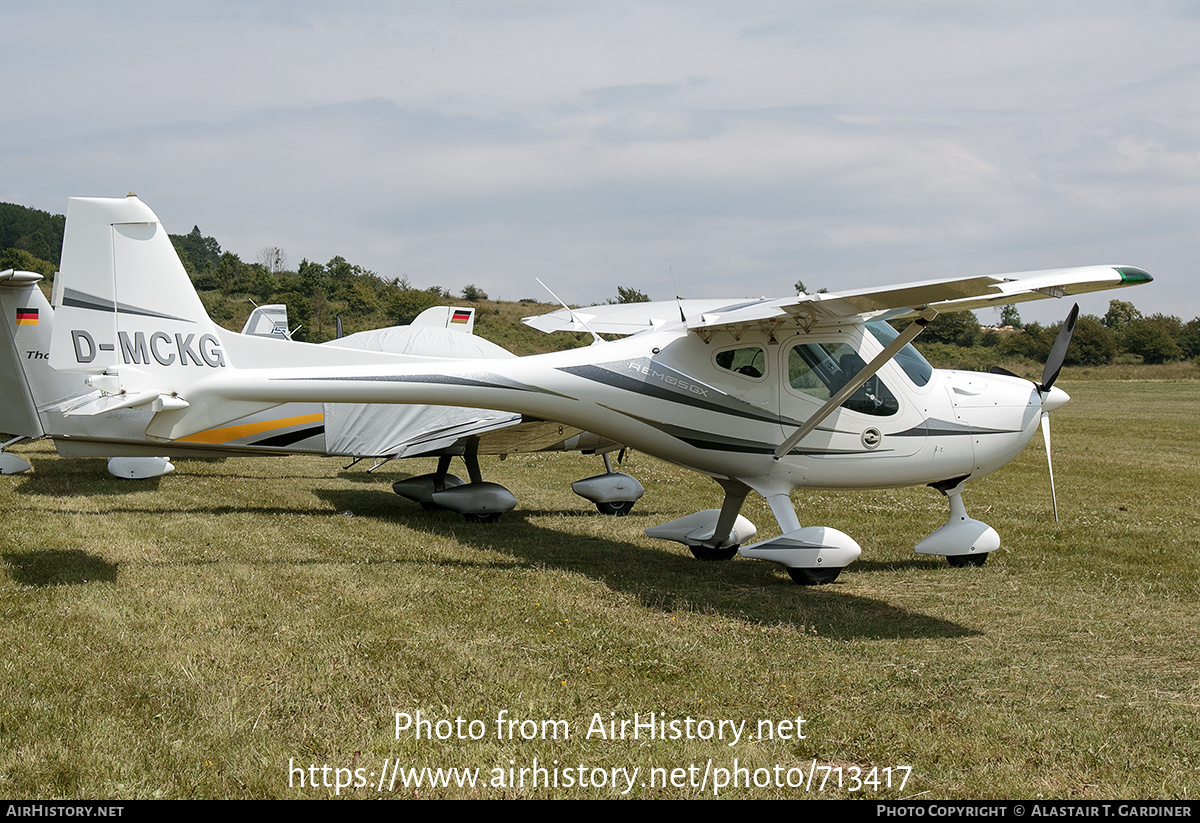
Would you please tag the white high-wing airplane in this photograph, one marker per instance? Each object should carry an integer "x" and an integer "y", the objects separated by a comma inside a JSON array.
[
  {"x": 762, "y": 395},
  {"x": 36, "y": 400}
]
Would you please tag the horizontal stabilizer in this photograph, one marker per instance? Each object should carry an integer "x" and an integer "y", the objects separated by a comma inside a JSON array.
[
  {"x": 13, "y": 277},
  {"x": 151, "y": 400}
]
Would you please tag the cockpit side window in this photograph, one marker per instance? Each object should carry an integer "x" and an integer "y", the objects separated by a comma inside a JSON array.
[
  {"x": 821, "y": 370},
  {"x": 748, "y": 361},
  {"x": 909, "y": 359}
]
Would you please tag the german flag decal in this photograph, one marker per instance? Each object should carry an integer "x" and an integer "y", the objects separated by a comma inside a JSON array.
[
  {"x": 460, "y": 316},
  {"x": 27, "y": 317}
]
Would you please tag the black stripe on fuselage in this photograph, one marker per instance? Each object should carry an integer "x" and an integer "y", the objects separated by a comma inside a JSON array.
[
  {"x": 608, "y": 377},
  {"x": 280, "y": 441},
  {"x": 708, "y": 441},
  {"x": 946, "y": 428}
]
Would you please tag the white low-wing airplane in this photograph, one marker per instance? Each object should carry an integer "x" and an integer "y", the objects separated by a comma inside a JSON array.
[
  {"x": 762, "y": 395},
  {"x": 36, "y": 401}
]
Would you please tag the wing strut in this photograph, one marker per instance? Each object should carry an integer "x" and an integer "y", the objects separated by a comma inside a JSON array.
[
  {"x": 575, "y": 317},
  {"x": 926, "y": 314}
]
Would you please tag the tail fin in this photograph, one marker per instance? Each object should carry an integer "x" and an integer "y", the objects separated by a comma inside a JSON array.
[
  {"x": 104, "y": 321},
  {"x": 268, "y": 321},
  {"x": 28, "y": 384},
  {"x": 127, "y": 315},
  {"x": 461, "y": 318}
]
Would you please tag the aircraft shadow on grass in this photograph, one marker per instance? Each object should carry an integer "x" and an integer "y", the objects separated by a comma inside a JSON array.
[
  {"x": 58, "y": 567},
  {"x": 52, "y": 478},
  {"x": 684, "y": 582}
]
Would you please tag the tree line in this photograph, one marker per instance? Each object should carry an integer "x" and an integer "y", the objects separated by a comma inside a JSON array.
[
  {"x": 317, "y": 294},
  {"x": 1122, "y": 334}
]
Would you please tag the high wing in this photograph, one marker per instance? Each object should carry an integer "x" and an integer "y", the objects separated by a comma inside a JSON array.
[
  {"x": 630, "y": 318},
  {"x": 807, "y": 310}
]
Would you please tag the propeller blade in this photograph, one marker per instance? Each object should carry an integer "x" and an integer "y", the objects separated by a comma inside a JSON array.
[
  {"x": 1058, "y": 352},
  {"x": 1049, "y": 462}
]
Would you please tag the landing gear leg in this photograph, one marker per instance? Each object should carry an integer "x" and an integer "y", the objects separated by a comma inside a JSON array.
[
  {"x": 477, "y": 501},
  {"x": 471, "y": 458},
  {"x": 717, "y": 547},
  {"x": 439, "y": 481}
]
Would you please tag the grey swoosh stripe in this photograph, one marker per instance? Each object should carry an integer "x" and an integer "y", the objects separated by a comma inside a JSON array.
[{"x": 79, "y": 300}]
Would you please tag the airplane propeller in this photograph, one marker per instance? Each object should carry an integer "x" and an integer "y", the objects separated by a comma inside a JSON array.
[
  {"x": 1053, "y": 398},
  {"x": 1058, "y": 352}
]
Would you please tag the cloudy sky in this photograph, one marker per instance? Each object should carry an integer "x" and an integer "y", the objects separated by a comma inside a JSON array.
[{"x": 737, "y": 147}]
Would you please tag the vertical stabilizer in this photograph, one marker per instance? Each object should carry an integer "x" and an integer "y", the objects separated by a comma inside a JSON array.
[
  {"x": 104, "y": 322},
  {"x": 268, "y": 321},
  {"x": 459, "y": 318}
]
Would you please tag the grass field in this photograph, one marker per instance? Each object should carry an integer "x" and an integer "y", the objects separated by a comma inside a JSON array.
[{"x": 212, "y": 632}]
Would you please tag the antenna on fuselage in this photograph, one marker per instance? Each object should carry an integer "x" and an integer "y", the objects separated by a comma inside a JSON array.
[
  {"x": 571, "y": 311},
  {"x": 678, "y": 299}
]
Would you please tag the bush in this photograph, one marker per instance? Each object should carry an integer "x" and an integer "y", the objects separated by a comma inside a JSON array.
[
  {"x": 1093, "y": 344},
  {"x": 628, "y": 294},
  {"x": 404, "y": 306},
  {"x": 1155, "y": 338}
]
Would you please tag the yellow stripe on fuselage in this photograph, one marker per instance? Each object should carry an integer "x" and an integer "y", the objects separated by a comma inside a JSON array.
[{"x": 228, "y": 433}]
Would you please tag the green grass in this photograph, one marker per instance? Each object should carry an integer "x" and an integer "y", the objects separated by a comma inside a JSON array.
[{"x": 190, "y": 636}]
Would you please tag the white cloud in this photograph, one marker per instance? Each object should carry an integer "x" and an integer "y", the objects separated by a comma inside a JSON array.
[{"x": 742, "y": 145}]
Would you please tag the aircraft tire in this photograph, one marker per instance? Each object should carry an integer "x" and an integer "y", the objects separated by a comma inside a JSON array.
[
  {"x": 709, "y": 554},
  {"x": 960, "y": 561},
  {"x": 813, "y": 577},
  {"x": 617, "y": 509},
  {"x": 482, "y": 517}
]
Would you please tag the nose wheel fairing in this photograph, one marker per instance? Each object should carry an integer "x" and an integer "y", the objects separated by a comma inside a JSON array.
[{"x": 961, "y": 536}]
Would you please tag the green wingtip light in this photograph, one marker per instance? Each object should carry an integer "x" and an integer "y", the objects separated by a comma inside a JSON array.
[{"x": 1131, "y": 276}]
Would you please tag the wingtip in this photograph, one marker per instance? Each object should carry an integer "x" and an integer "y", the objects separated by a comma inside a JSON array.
[{"x": 1131, "y": 275}]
